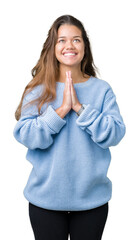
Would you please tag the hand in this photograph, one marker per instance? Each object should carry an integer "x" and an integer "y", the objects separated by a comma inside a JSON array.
[
  {"x": 67, "y": 100},
  {"x": 75, "y": 104}
]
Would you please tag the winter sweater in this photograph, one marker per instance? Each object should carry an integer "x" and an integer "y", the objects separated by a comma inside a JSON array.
[{"x": 70, "y": 156}]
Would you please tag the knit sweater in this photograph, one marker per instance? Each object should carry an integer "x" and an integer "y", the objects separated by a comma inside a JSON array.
[{"x": 70, "y": 156}]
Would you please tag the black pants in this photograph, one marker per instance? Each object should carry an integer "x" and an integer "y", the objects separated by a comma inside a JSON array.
[{"x": 57, "y": 225}]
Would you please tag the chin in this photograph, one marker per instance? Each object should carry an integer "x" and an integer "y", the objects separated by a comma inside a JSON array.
[{"x": 70, "y": 64}]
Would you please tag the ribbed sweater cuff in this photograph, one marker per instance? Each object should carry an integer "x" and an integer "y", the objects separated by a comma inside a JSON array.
[{"x": 53, "y": 120}]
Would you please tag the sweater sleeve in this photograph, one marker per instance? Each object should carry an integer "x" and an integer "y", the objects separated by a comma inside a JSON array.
[
  {"x": 106, "y": 127},
  {"x": 34, "y": 130}
]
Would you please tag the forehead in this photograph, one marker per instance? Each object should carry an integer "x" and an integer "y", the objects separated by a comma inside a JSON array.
[{"x": 67, "y": 30}]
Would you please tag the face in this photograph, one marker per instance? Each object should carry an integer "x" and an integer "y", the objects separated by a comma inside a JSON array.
[{"x": 69, "y": 49}]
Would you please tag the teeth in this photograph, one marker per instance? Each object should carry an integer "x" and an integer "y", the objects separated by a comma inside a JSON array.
[{"x": 69, "y": 54}]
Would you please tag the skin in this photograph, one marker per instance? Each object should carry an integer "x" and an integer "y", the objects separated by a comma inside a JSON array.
[{"x": 70, "y": 40}]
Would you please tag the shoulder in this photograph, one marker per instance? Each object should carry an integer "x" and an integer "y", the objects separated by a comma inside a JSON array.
[
  {"x": 34, "y": 93},
  {"x": 104, "y": 87},
  {"x": 102, "y": 83},
  {"x": 37, "y": 89}
]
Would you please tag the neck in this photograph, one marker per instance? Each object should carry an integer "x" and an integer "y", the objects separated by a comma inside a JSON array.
[{"x": 76, "y": 74}]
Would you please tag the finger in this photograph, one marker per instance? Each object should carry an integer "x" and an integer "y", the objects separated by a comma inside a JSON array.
[
  {"x": 69, "y": 74},
  {"x": 67, "y": 79},
  {"x": 71, "y": 82}
]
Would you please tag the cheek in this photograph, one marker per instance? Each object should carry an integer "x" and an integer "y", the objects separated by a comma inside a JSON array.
[
  {"x": 58, "y": 49},
  {"x": 58, "y": 52},
  {"x": 81, "y": 49}
]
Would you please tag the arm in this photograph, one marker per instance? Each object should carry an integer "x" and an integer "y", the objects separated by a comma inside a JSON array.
[
  {"x": 106, "y": 127},
  {"x": 34, "y": 130},
  {"x": 61, "y": 112}
]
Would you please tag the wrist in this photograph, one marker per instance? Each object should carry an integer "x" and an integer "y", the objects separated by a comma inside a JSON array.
[
  {"x": 83, "y": 106},
  {"x": 77, "y": 107},
  {"x": 65, "y": 109},
  {"x": 61, "y": 112}
]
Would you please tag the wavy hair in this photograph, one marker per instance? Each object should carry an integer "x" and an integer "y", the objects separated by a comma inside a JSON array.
[{"x": 46, "y": 71}]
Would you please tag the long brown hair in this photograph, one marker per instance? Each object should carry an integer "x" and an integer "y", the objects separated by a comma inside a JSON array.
[{"x": 46, "y": 70}]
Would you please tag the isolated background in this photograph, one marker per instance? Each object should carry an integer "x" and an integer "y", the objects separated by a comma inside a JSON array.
[{"x": 112, "y": 27}]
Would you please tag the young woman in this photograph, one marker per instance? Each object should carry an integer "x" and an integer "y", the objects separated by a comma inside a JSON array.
[{"x": 68, "y": 118}]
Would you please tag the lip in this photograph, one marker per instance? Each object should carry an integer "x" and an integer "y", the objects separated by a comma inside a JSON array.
[
  {"x": 70, "y": 56},
  {"x": 69, "y": 52}
]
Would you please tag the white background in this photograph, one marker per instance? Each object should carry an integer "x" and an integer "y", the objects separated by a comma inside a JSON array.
[{"x": 113, "y": 31}]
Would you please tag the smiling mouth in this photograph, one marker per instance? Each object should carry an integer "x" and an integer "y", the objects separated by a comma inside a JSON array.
[{"x": 69, "y": 54}]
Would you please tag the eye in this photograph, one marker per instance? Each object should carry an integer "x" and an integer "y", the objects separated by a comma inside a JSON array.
[
  {"x": 76, "y": 40},
  {"x": 61, "y": 40}
]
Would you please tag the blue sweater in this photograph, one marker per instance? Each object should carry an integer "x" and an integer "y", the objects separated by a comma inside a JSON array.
[{"x": 70, "y": 156}]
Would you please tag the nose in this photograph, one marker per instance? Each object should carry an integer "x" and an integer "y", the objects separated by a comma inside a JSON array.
[{"x": 69, "y": 45}]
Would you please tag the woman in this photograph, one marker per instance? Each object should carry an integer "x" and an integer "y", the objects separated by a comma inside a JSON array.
[{"x": 68, "y": 118}]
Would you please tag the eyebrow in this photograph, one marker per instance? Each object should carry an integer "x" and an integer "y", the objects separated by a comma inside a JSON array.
[{"x": 73, "y": 37}]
